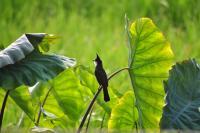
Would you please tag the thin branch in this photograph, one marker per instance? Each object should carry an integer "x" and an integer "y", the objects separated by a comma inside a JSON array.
[
  {"x": 3, "y": 107},
  {"x": 41, "y": 106},
  {"x": 95, "y": 97},
  {"x": 88, "y": 123}
]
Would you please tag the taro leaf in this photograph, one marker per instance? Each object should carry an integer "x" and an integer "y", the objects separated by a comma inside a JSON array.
[
  {"x": 12, "y": 113},
  {"x": 20, "y": 48},
  {"x": 124, "y": 115},
  {"x": 23, "y": 63},
  {"x": 182, "y": 97},
  {"x": 62, "y": 100},
  {"x": 22, "y": 98},
  {"x": 69, "y": 94},
  {"x": 53, "y": 115},
  {"x": 150, "y": 58},
  {"x": 38, "y": 92},
  {"x": 35, "y": 67}
]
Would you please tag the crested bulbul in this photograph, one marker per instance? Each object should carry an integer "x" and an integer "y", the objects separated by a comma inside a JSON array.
[{"x": 101, "y": 77}]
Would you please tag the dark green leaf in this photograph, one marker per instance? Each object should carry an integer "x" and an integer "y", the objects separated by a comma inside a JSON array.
[
  {"x": 35, "y": 67},
  {"x": 182, "y": 97}
]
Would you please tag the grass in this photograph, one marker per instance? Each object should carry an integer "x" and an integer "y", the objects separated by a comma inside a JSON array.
[{"x": 97, "y": 26}]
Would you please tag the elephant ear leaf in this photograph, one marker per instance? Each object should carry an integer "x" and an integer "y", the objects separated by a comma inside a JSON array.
[
  {"x": 22, "y": 63},
  {"x": 182, "y": 97},
  {"x": 150, "y": 58},
  {"x": 21, "y": 96},
  {"x": 124, "y": 115}
]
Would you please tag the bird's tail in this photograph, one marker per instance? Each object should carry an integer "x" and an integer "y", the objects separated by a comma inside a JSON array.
[{"x": 106, "y": 95}]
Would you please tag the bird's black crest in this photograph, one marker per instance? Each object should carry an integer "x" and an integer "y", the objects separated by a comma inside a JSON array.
[{"x": 98, "y": 60}]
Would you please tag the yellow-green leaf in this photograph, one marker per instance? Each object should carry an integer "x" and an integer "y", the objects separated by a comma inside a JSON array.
[
  {"x": 150, "y": 58},
  {"x": 47, "y": 40},
  {"x": 124, "y": 115},
  {"x": 69, "y": 94},
  {"x": 21, "y": 96}
]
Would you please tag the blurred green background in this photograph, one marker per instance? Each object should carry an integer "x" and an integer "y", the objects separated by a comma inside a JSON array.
[{"x": 87, "y": 27}]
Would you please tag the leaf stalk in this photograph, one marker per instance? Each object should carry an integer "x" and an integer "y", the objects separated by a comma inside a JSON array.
[
  {"x": 95, "y": 97},
  {"x": 41, "y": 106},
  {"x": 3, "y": 108}
]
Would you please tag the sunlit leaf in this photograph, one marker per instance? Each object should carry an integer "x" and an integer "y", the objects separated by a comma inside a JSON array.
[
  {"x": 182, "y": 97},
  {"x": 50, "y": 117},
  {"x": 22, "y": 98},
  {"x": 124, "y": 115},
  {"x": 150, "y": 58},
  {"x": 69, "y": 94},
  {"x": 44, "y": 45}
]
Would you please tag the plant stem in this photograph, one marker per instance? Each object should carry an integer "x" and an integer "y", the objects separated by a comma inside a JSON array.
[
  {"x": 41, "y": 106},
  {"x": 3, "y": 107},
  {"x": 136, "y": 127},
  {"x": 88, "y": 123},
  {"x": 95, "y": 97}
]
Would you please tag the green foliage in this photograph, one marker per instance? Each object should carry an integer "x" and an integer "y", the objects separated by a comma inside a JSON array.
[
  {"x": 124, "y": 115},
  {"x": 87, "y": 27},
  {"x": 21, "y": 96},
  {"x": 182, "y": 97},
  {"x": 53, "y": 115},
  {"x": 69, "y": 94},
  {"x": 22, "y": 63},
  {"x": 88, "y": 80},
  {"x": 150, "y": 57}
]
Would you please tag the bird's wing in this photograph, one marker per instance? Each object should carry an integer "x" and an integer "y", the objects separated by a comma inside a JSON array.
[{"x": 101, "y": 78}]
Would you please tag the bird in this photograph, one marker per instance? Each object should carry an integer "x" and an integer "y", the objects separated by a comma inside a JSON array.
[{"x": 101, "y": 77}]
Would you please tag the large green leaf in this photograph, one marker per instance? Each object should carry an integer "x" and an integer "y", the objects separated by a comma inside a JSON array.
[
  {"x": 70, "y": 95},
  {"x": 51, "y": 117},
  {"x": 35, "y": 67},
  {"x": 183, "y": 97},
  {"x": 124, "y": 115},
  {"x": 22, "y": 98},
  {"x": 150, "y": 58},
  {"x": 13, "y": 113},
  {"x": 21, "y": 47},
  {"x": 23, "y": 63}
]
